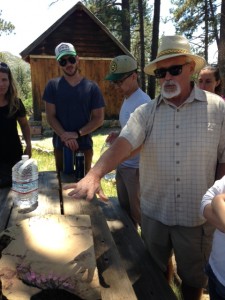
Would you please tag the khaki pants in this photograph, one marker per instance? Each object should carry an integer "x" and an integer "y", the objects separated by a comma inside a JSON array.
[
  {"x": 191, "y": 247},
  {"x": 128, "y": 192}
]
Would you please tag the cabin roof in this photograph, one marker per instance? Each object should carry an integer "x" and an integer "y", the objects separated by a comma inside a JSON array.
[{"x": 81, "y": 28}]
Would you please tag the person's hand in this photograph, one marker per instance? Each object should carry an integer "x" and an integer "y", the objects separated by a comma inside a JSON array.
[
  {"x": 72, "y": 144},
  {"x": 68, "y": 135},
  {"x": 112, "y": 136},
  {"x": 86, "y": 188}
]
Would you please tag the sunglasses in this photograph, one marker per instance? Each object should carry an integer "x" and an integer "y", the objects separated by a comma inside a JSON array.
[
  {"x": 4, "y": 65},
  {"x": 173, "y": 70},
  {"x": 63, "y": 61},
  {"x": 120, "y": 82}
]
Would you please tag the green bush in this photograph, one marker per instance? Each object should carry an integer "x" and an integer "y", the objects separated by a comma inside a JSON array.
[{"x": 28, "y": 103}]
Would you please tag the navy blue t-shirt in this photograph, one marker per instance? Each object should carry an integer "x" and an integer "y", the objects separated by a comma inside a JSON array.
[{"x": 74, "y": 105}]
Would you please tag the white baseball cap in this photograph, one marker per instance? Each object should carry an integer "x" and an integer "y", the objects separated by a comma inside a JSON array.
[{"x": 64, "y": 49}]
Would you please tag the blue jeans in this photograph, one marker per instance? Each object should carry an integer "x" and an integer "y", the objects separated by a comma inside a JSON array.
[{"x": 216, "y": 289}]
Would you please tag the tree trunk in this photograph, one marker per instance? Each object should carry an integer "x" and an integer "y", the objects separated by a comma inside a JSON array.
[
  {"x": 222, "y": 46},
  {"x": 154, "y": 45},
  {"x": 206, "y": 30},
  {"x": 126, "y": 23},
  {"x": 142, "y": 47},
  {"x": 214, "y": 22}
]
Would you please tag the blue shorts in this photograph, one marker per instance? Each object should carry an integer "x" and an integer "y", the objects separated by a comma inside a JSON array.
[{"x": 216, "y": 289}]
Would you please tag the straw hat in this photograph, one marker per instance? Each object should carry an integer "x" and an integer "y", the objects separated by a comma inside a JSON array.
[{"x": 173, "y": 46}]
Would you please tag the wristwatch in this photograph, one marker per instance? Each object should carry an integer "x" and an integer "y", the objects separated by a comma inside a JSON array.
[{"x": 78, "y": 133}]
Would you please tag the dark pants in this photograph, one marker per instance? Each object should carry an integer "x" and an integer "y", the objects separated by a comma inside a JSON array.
[
  {"x": 88, "y": 154},
  {"x": 216, "y": 289},
  {"x": 5, "y": 175}
]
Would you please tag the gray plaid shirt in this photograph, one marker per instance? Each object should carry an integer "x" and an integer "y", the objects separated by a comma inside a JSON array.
[{"x": 179, "y": 155}]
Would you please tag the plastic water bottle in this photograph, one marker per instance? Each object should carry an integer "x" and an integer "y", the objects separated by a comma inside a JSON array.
[
  {"x": 68, "y": 160},
  {"x": 25, "y": 183},
  {"x": 111, "y": 176},
  {"x": 80, "y": 166}
]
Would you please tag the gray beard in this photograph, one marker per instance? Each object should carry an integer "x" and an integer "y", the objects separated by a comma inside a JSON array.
[{"x": 169, "y": 95}]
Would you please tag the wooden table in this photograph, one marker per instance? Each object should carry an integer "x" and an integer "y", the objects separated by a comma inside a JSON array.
[{"x": 125, "y": 269}]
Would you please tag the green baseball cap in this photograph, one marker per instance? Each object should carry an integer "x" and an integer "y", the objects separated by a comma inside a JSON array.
[
  {"x": 64, "y": 49},
  {"x": 120, "y": 66}
]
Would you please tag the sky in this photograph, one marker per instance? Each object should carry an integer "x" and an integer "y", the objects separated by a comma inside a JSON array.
[{"x": 31, "y": 18}]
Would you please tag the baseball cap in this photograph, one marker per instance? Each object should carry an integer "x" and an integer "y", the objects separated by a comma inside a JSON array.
[
  {"x": 120, "y": 66},
  {"x": 64, "y": 49}
]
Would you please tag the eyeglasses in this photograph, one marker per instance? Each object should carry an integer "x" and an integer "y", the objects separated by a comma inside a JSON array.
[
  {"x": 63, "y": 61},
  {"x": 120, "y": 82},
  {"x": 4, "y": 65},
  {"x": 173, "y": 70}
]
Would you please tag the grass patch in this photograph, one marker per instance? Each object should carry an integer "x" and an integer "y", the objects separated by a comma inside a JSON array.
[
  {"x": 177, "y": 290},
  {"x": 108, "y": 187},
  {"x": 46, "y": 161}
]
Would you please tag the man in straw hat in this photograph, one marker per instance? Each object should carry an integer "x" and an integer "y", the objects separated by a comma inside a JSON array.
[{"x": 181, "y": 135}]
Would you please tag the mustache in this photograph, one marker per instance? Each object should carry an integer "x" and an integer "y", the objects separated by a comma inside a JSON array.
[{"x": 169, "y": 82}]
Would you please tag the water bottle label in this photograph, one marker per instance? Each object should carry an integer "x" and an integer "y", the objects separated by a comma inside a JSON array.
[{"x": 25, "y": 187}]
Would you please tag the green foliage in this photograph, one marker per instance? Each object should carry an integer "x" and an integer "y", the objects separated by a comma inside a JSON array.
[
  {"x": 109, "y": 12},
  {"x": 23, "y": 79},
  {"x": 190, "y": 15},
  {"x": 5, "y": 27},
  {"x": 28, "y": 103},
  {"x": 135, "y": 27},
  {"x": 21, "y": 74}
]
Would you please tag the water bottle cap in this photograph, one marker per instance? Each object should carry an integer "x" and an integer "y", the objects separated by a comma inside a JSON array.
[
  {"x": 25, "y": 157},
  {"x": 79, "y": 154}
]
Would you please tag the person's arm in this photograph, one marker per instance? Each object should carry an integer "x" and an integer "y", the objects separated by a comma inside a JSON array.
[
  {"x": 25, "y": 128},
  {"x": 96, "y": 120},
  {"x": 90, "y": 184},
  {"x": 69, "y": 138},
  {"x": 215, "y": 212}
]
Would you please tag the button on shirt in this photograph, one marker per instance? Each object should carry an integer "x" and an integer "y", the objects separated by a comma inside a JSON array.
[{"x": 179, "y": 155}]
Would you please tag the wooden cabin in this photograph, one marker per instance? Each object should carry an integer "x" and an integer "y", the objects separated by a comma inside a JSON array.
[{"x": 94, "y": 44}]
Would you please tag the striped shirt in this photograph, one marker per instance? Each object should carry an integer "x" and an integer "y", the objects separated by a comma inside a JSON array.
[{"x": 179, "y": 155}]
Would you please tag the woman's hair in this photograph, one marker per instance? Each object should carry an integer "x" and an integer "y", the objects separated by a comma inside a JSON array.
[
  {"x": 216, "y": 73},
  {"x": 11, "y": 95}
]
